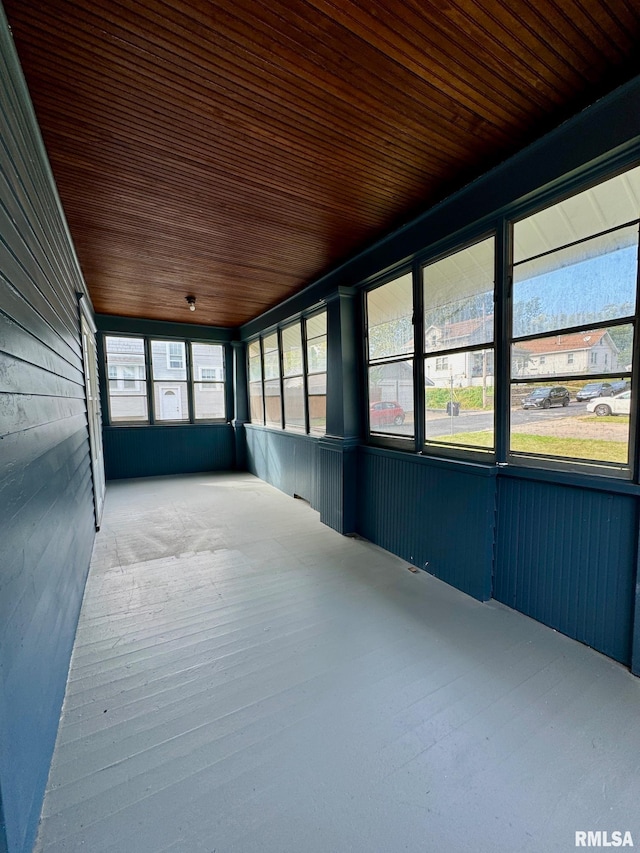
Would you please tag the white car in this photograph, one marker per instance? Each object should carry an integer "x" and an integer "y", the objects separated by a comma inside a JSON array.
[{"x": 618, "y": 405}]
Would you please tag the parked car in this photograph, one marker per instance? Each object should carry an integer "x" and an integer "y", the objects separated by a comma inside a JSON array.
[
  {"x": 386, "y": 412},
  {"x": 619, "y": 387},
  {"x": 618, "y": 405},
  {"x": 544, "y": 398},
  {"x": 594, "y": 389}
]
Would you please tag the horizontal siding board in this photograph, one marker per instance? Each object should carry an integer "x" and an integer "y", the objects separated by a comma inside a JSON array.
[
  {"x": 17, "y": 342},
  {"x": 25, "y": 447},
  {"x": 46, "y": 508},
  {"x": 567, "y": 557},
  {"x": 44, "y": 535},
  {"x": 31, "y": 499},
  {"x": 18, "y": 309},
  {"x": 439, "y": 519},
  {"x": 22, "y": 377},
  {"x": 21, "y": 412},
  {"x": 16, "y": 258},
  {"x": 28, "y": 226},
  {"x": 150, "y": 451}
]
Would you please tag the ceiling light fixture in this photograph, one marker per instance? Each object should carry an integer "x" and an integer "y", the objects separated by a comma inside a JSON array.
[{"x": 192, "y": 302}]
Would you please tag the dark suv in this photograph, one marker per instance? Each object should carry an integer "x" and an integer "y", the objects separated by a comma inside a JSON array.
[
  {"x": 544, "y": 398},
  {"x": 593, "y": 390}
]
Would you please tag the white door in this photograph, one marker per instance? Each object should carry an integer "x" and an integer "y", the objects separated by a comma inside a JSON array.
[{"x": 171, "y": 405}]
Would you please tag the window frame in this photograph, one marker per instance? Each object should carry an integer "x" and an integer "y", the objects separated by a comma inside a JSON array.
[
  {"x": 200, "y": 381},
  {"x": 105, "y": 369},
  {"x": 378, "y": 439},
  {"x": 278, "y": 331},
  {"x": 453, "y": 245},
  {"x": 569, "y": 465},
  {"x": 499, "y": 224},
  {"x": 190, "y": 381}
]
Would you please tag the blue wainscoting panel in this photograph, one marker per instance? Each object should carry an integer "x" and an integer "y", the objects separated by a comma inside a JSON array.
[
  {"x": 285, "y": 460},
  {"x": 566, "y": 557},
  {"x": 46, "y": 503},
  {"x": 436, "y": 515},
  {"x": 148, "y": 451}
]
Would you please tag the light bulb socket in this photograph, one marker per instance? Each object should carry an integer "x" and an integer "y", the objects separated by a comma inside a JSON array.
[{"x": 191, "y": 301}]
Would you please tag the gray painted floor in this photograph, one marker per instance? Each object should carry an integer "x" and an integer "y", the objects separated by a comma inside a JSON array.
[{"x": 245, "y": 679}]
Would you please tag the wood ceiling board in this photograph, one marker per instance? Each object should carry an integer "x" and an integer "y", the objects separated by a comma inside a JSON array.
[{"x": 243, "y": 149}]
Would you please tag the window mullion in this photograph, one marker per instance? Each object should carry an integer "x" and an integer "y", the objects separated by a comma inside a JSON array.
[
  {"x": 503, "y": 301},
  {"x": 188, "y": 346},
  {"x": 305, "y": 377},
  {"x": 150, "y": 382}
]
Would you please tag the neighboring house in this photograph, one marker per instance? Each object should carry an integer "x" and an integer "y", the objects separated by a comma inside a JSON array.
[
  {"x": 127, "y": 385},
  {"x": 578, "y": 352},
  {"x": 462, "y": 368}
]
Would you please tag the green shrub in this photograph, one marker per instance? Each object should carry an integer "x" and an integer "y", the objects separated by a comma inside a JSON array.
[{"x": 469, "y": 398}]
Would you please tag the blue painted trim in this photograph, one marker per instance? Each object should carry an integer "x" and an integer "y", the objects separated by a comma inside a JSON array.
[
  {"x": 111, "y": 323},
  {"x": 4, "y": 848},
  {"x": 298, "y": 435},
  {"x": 570, "y": 478},
  {"x": 635, "y": 634},
  {"x": 433, "y": 461}
]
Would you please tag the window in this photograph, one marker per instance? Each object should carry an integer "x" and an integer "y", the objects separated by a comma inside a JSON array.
[
  {"x": 256, "y": 398},
  {"x": 390, "y": 358},
  {"x": 316, "y": 328},
  {"x": 293, "y": 378},
  {"x": 272, "y": 391},
  {"x": 181, "y": 390},
  {"x": 458, "y": 318},
  {"x": 127, "y": 384},
  {"x": 299, "y": 353},
  {"x": 208, "y": 393},
  {"x": 175, "y": 356},
  {"x": 574, "y": 300},
  {"x": 169, "y": 375}
]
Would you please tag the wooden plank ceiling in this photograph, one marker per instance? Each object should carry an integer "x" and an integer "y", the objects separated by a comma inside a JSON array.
[{"x": 235, "y": 150}]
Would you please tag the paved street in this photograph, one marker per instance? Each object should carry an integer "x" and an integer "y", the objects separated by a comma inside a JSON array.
[{"x": 439, "y": 423}]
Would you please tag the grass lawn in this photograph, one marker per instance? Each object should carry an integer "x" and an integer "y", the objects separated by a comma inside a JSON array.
[
  {"x": 573, "y": 448},
  {"x": 605, "y": 419}
]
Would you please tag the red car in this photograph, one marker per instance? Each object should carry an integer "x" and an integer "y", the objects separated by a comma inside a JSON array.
[{"x": 386, "y": 412}]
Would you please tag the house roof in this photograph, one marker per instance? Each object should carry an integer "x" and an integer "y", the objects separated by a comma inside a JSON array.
[{"x": 566, "y": 343}]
